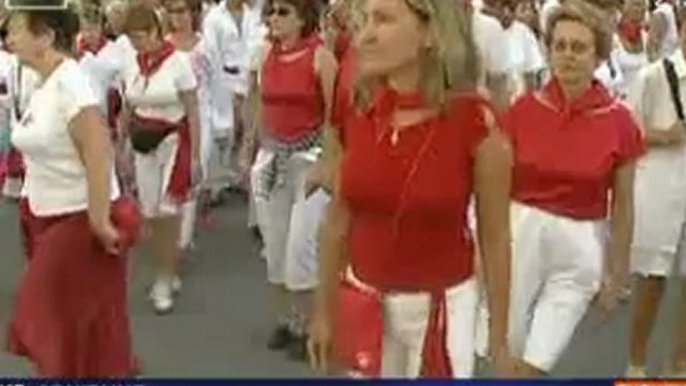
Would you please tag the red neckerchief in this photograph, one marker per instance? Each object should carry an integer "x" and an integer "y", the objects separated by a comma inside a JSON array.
[
  {"x": 342, "y": 44},
  {"x": 82, "y": 47},
  {"x": 307, "y": 42},
  {"x": 630, "y": 31},
  {"x": 149, "y": 62},
  {"x": 595, "y": 96}
]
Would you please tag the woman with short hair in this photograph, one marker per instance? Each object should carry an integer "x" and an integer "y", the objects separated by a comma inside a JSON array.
[
  {"x": 162, "y": 124},
  {"x": 575, "y": 150},
  {"x": 70, "y": 315}
]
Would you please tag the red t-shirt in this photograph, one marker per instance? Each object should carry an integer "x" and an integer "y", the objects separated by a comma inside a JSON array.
[
  {"x": 292, "y": 99},
  {"x": 343, "y": 90},
  {"x": 566, "y": 153},
  {"x": 408, "y": 201}
]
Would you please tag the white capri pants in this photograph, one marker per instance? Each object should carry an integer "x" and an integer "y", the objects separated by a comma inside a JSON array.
[
  {"x": 153, "y": 174},
  {"x": 660, "y": 262},
  {"x": 557, "y": 267},
  {"x": 290, "y": 222},
  {"x": 405, "y": 320}
]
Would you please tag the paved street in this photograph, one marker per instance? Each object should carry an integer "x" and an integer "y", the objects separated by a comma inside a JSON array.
[{"x": 221, "y": 322}]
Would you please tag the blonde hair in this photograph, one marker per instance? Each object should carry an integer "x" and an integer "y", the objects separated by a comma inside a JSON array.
[
  {"x": 593, "y": 16},
  {"x": 450, "y": 65}
]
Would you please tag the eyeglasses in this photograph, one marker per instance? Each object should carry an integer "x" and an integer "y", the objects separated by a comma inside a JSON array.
[
  {"x": 177, "y": 11},
  {"x": 279, "y": 11},
  {"x": 575, "y": 46}
]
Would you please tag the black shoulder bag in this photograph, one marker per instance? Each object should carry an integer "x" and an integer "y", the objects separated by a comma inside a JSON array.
[{"x": 673, "y": 81}]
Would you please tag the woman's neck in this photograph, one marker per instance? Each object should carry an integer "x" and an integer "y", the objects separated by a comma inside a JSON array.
[
  {"x": 234, "y": 5},
  {"x": 156, "y": 46},
  {"x": 405, "y": 80},
  {"x": 48, "y": 64},
  {"x": 184, "y": 39},
  {"x": 572, "y": 92},
  {"x": 288, "y": 42}
]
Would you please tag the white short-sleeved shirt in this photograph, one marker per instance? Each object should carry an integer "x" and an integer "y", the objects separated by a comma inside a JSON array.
[
  {"x": 523, "y": 48},
  {"x": 546, "y": 11},
  {"x": 55, "y": 181},
  {"x": 670, "y": 41},
  {"x": 490, "y": 40},
  {"x": 160, "y": 99}
]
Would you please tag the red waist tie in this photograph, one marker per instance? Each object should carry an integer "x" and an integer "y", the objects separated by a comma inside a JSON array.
[
  {"x": 435, "y": 355},
  {"x": 114, "y": 104},
  {"x": 179, "y": 185},
  {"x": 15, "y": 164}
]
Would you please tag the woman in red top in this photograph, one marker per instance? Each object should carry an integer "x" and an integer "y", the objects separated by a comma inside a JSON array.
[
  {"x": 414, "y": 153},
  {"x": 296, "y": 76},
  {"x": 575, "y": 149}
]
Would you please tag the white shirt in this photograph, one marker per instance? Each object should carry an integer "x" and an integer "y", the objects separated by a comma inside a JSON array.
[
  {"x": 106, "y": 69},
  {"x": 101, "y": 72},
  {"x": 55, "y": 181},
  {"x": 546, "y": 11},
  {"x": 230, "y": 48},
  {"x": 525, "y": 55},
  {"x": 670, "y": 41},
  {"x": 160, "y": 99},
  {"x": 630, "y": 64},
  {"x": 490, "y": 40},
  {"x": 661, "y": 172}
]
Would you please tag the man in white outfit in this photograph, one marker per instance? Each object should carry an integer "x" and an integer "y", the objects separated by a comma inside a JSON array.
[{"x": 232, "y": 32}]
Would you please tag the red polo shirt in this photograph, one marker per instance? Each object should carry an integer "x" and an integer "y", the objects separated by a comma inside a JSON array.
[
  {"x": 566, "y": 152},
  {"x": 408, "y": 200}
]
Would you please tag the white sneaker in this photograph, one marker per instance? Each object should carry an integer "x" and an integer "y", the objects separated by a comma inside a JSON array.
[
  {"x": 162, "y": 297},
  {"x": 636, "y": 372},
  {"x": 176, "y": 285}
]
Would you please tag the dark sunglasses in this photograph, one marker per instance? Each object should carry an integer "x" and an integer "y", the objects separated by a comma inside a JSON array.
[
  {"x": 278, "y": 11},
  {"x": 177, "y": 10}
]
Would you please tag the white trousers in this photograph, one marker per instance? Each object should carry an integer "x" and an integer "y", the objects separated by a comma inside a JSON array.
[
  {"x": 557, "y": 266},
  {"x": 660, "y": 262},
  {"x": 289, "y": 222},
  {"x": 188, "y": 218},
  {"x": 556, "y": 273},
  {"x": 221, "y": 173},
  {"x": 405, "y": 320},
  {"x": 153, "y": 174}
]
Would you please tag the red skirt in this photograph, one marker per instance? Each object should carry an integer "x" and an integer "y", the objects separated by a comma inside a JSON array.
[{"x": 70, "y": 314}]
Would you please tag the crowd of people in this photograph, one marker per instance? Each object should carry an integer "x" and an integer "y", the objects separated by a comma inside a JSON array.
[{"x": 431, "y": 182}]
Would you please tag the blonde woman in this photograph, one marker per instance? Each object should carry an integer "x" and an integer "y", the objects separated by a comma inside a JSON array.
[{"x": 418, "y": 124}]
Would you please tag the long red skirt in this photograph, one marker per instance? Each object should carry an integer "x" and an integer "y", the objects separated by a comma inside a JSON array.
[{"x": 70, "y": 313}]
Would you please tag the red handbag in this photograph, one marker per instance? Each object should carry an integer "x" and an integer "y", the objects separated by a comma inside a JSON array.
[
  {"x": 126, "y": 218},
  {"x": 358, "y": 329}
]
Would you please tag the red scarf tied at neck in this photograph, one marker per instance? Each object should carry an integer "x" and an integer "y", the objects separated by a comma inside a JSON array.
[
  {"x": 149, "y": 62},
  {"x": 82, "y": 47},
  {"x": 630, "y": 31}
]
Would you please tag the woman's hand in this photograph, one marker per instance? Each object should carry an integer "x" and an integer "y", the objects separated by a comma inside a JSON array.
[
  {"x": 319, "y": 343},
  {"x": 108, "y": 236},
  {"x": 504, "y": 365},
  {"x": 609, "y": 295}
]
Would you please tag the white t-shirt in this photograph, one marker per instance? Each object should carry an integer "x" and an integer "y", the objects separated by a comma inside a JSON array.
[
  {"x": 55, "y": 181},
  {"x": 101, "y": 71},
  {"x": 160, "y": 99},
  {"x": 490, "y": 40},
  {"x": 670, "y": 42},
  {"x": 525, "y": 55},
  {"x": 546, "y": 11},
  {"x": 630, "y": 64}
]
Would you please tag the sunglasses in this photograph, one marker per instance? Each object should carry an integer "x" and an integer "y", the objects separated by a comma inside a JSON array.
[
  {"x": 279, "y": 11},
  {"x": 177, "y": 11}
]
